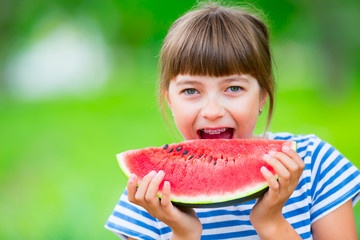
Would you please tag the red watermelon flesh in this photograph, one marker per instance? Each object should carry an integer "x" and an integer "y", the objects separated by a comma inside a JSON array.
[{"x": 207, "y": 172}]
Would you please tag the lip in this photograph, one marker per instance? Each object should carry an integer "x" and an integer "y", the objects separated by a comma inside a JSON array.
[{"x": 215, "y": 131}]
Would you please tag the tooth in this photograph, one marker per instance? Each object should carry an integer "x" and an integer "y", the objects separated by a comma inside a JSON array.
[{"x": 214, "y": 131}]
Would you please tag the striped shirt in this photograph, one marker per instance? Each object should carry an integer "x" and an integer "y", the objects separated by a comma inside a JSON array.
[{"x": 327, "y": 182}]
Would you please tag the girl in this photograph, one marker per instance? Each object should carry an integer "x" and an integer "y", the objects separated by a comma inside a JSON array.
[{"x": 216, "y": 77}]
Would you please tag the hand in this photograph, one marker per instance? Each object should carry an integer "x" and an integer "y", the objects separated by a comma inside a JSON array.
[
  {"x": 183, "y": 222},
  {"x": 266, "y": 215}
]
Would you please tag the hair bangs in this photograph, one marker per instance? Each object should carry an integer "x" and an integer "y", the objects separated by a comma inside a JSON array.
[
  {"x": 207, "y": 56},
  {"x": 213, "y": 45}
]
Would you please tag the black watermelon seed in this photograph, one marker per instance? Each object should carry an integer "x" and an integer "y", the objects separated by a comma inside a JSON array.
[
  {"x": 165, "y": 146},
  {"x": 215, "y": 162},
  {"x": 185, "y": 152},
  {"x": 192, "y": 155},
  {"x": 171, "y": 150},
  {"x": 210, "y": 159},
  {"x": 201, "y": 156},
  {"x": 178, "y": 149}
]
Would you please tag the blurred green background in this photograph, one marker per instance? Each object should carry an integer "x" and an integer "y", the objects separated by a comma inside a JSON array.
[{"x": 77, "y": 86}]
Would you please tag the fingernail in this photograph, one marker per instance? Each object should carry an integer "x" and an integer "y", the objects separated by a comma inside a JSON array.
[
  {"x": 266, "y": 157},
  {"x": 272, "y": 153},
  {"x": 285, "y": 148},
  {"x": 160, "y": 173},
  {"x": 132, "y": 178},
  {"x": 263, "y": 169}
]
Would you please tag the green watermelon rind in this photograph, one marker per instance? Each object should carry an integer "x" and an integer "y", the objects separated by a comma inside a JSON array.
[
  {"x": 254, "y": 192},
  {"x": 232, "y": 199},
  {"x": 122, "y": 165}
]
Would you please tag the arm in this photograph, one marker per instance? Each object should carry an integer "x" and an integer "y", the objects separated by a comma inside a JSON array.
[
  {"x": 337, "y": 225},
  {"x": 183, "y": 223}
]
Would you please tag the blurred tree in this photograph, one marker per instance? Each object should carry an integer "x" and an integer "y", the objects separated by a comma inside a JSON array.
[
  {"x": 340, "y": 44},
  {"x": 329, "y": 26},
  {"x": 129, "y": 24}
]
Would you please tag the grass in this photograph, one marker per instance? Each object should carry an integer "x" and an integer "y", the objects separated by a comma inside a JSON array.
[{"x": 59, "y": 178}]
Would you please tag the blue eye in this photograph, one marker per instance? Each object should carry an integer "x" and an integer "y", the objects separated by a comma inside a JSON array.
[
  {"x": 190, "y": 91},
  {"x": 234, "y": 89}
]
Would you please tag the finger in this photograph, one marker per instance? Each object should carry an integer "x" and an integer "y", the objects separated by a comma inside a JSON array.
[
  {"x": 294, "y": 155},
  {"x": 143, "y": 187},
  {"x": 165, "y": 197},
  {"x": 272, "y": 182},
  {"x": 280, "y": 169},
  {"x": 151, "y": 194},
  {"x": 293, "y": 168},
  {"x": 287, "y": 162},
  {"x": 300, "y": 165},
  {"x": 131, "y": 187}
]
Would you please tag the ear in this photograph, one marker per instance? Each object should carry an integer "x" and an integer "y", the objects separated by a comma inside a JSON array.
[
  {"x": 166, "y": 94},
  {"x": 263, "y": 98}
]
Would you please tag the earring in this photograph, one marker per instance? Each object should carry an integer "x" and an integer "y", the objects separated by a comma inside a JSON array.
[{"x": 260, "y": 111}]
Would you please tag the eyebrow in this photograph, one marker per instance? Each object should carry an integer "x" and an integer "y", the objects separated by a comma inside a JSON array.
[
  {"x": 237, "y": 78},
  {"x": 187, "y": 81}
]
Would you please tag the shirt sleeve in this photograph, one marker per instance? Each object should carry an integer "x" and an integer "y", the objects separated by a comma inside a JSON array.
[
  {"x": 130, "y": 220},
  {"x": 335, "y": 180}
]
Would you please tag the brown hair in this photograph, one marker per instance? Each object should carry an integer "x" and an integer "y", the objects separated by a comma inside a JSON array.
[{"x": 217, "y": 40}]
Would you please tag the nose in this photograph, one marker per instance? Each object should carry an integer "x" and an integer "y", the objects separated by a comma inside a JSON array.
[{"x": 212, "y": 109}]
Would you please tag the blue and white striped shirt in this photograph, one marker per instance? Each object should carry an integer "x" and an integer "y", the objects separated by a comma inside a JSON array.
[{"x": 327, "y": 182}]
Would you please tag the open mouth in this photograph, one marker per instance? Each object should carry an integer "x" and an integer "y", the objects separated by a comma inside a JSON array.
[{"x": 218, "y": 133}]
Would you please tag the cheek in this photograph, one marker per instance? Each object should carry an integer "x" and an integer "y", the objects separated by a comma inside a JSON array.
[
  {"x": 184, "y": 118},
  {"x": 245, "y": 113},
  {"x": 246, "y": 116},
  {"x": 181, "y": 109},
  {"x": 183, "y": 113},
  {"x": 246, "y": 108}
]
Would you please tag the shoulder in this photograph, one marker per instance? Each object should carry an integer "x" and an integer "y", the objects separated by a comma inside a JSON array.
[
  {"x": 323, "y": 162},
  {"x": 289, "y": 136},
  {"x": 329, "y": 178},
  {"x": 312, "y": 149}
]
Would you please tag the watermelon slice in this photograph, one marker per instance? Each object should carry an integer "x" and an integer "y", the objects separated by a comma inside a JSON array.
[{"x": 206, "y": 172}]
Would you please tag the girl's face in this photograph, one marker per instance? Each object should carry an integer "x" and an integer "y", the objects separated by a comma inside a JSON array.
[{"x": 215, "y": 107}]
